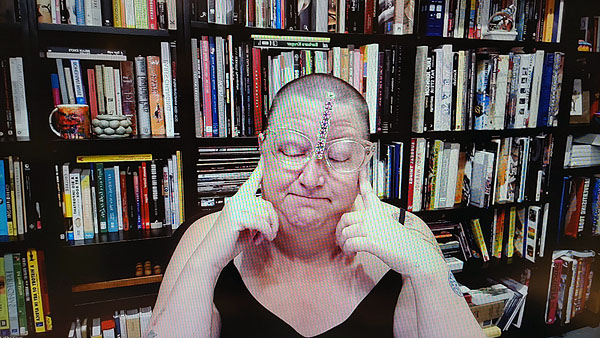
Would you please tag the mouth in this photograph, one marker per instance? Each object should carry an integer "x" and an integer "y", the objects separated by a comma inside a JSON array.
[{"x": 311, "y": 198}]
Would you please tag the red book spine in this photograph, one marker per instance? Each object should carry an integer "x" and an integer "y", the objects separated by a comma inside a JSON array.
[
  {"x": 411, "y": 173},
  {"x": 91, "y": 74},
  {"x": 556, "y": 272},
  {"x": 206, "y": 91},
  {"x": 138, "y": 199},
  {"x": 256, "y": 68},
  {"x": 572, "y": 221},
  {"x": 152, "y": 23},
  {"x": 122, "y": 178},
  {"x": 251, "y": 11},
  {"x": 369, "y": 8},
  {"x": 144, "y": 186}
]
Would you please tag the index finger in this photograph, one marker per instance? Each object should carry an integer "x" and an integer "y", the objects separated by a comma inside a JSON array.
[
  {"x": 253, "y": 182},
  {"x": 366, "y": 191}
]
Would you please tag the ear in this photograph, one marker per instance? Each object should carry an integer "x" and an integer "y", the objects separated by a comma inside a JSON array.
[{"x": 261, "y": 139}]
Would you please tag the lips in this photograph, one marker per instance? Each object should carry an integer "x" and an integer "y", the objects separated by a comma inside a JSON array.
[{"x": 309, "y": 197}]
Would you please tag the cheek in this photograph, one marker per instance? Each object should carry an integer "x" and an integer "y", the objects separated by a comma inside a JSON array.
[{"x": 275, "y": 183}]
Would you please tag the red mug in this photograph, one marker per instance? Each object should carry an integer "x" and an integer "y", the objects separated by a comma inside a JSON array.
[{"x": 72, "y": 121}]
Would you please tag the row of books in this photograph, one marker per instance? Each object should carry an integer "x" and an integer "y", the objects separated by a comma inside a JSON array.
[
  {"x": 501, "y": 304},
  {"x": 234, "y": 84},
  {"x": 582, "y": 151},
  {"x": 10, "y": 11},
  {"x": 141, "y": 14},
  {"x": 221, "y": 171},
  {"x": 24, "y": 301},
  {"x": 533, "y": 20},
  {"x": 145, "y": 89},
  {"x": 589, "y": 34},
  {"x": 387, "y": 170},
  {"x": 570, "y": 289},
  {"x": 19, "y": 209},
  {"x": 336, "y": 16},
  {"x": 14, "y": 116},
  {"x": 443, "y": 174},
  {"x": 138, "y": 192},
  {"x": 131, "y": 324},
  {"x": 580, "y": 206},
  {"x": 483, "y": 90}
]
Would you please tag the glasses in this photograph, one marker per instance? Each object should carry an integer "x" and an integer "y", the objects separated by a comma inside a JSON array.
[{"x": 294, "y": 149}]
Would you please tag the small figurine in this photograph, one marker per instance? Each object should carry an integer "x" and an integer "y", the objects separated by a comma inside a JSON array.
[{"x": 501, "y": 25}]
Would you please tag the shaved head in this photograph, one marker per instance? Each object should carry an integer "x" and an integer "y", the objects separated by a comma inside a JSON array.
[{"x": 316, "y": 87}]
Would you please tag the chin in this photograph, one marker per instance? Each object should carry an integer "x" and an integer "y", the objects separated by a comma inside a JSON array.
[{"x": 303, "y": 217}]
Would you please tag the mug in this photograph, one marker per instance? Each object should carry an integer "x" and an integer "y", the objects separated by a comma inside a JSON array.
[{"x": 71, "y": 122}]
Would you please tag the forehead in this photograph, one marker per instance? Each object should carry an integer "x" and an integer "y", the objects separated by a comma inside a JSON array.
[{"x": 305, "y": 114}]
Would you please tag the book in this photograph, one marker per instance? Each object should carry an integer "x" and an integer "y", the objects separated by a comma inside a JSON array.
[
  {"x": 36, "y": 295},
  {"x": 155, "y": 94}
]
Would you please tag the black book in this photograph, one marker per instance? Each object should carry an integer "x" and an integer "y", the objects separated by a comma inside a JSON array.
[
  {"x": 242, "y": 84},
  {"x": 355, "y": 18},
  {"x": 64, "y": 12},
  {"x": 226, "y": 85},
  {"x": 472, "y": 86},
  {"x": 379, "y": 109},
  {"x": 157, "y": 213},
  {"x": 9, "y": 201},
  {"x": 8, "y": 101},
  {"x": 161, "y": 14},
  {"x": 236, "y": 91},
  {"x": 430, "y": 95},
  {"x": 264, "y": 78},
  {"x": 386, "y": 116},
  {"x": 399, "y": 89},
  {"x": 173, "y": 49},
  {"x": 454, "y": 93},
  {"x": 3, "y": 110},
  {"x": 248, "y": 90},
  {"x": 291, "y": 12},
  {"x": 32, "y": 207},
  {"x": 107, "y": 13},
  {"x": 201, "y": 11},
  {"x": 305, "y": 16},
  {"x": 131, "y": 202}
]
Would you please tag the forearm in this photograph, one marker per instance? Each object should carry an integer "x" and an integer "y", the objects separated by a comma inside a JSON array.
[
  {"x": 188, "y": 308},
  {"x": 442, "y": 310}
]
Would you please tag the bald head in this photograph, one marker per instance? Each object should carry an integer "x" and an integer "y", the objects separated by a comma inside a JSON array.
[{"x": 316, "y": 87}]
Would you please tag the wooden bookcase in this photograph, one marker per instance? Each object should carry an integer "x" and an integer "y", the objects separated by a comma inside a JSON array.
[{"x": 113, "y": 259}]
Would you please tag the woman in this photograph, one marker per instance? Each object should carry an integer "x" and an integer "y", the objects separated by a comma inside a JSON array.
[{"x": 310, "y": 253}]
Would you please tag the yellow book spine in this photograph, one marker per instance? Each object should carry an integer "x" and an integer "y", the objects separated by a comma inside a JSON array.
[
  {"x": 438, "y": 145},
  {"x": 114, "y": 158},
  {"x": 510, "y": 249},
  {"x": 117, "y": 13},
  {"x": 3, "y": 298},
  {"x": 36, "y": 294},
  {"x": 180, "y": 180},
  {"x": 479, "y": 239},
  {"x": 499, "y": 233},
  {"x": 549, "y": 23}
]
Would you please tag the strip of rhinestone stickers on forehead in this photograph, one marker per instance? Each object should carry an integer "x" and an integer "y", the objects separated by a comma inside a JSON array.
[{"x": 324, "y": 127}]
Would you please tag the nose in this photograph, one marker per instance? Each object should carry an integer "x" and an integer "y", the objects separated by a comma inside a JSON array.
[{"x": 313, "y": 174}]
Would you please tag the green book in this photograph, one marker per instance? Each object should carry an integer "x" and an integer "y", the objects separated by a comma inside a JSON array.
[
  {"x": 3, "y": 299},
  {"x": 11, "y": 295},
  {"x": 101, "y": 198},
  {"x": 22, "y": 311}
]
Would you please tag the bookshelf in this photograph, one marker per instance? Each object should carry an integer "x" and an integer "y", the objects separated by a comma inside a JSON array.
[{"x": 90, "y": 277}]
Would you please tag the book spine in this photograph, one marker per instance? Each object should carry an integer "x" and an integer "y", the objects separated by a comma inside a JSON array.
[
  {"x": 171, "y": 14},
  {"x": 207, "y": 106},
  {"x": 111, "y": 200},
  {"x": 4, "y": 315},
  {"x": 119, "y": 203},
  {"x": 118, "y": 94},
  {"x": 99, "y": 89},
  {"x": 35, "y": 288},
  {"x": 180, "y": 193},
  {"x": 124, "y": 207},
  {"x": 78, "y": 82},
  {"x": 152, "y": 16},
  {"x": 20, "y": 293},
  {"x": 479, "y": 239},
  {"x": 213, "y": 86},
  {"x": 3, "y": 205},
  {"x": 86, "y": 194},
  {"x": 157, "y": 117},
  {"x": 11, "y": 294},
  {"x": 91, "y": 77},
  {"x": 109, "y": 89},
  {"x": 161, "y": 14},
  {"x": 128, "y": 94},
  {"x": 156, "y": 212},
  {"x": 165, "y": 194},
  {"x": 196, "y": 74},
  {"x": 101, "y": 198},
  {"x": 17, "y": 79},
  {"x": 167, "y": 87},
  {"x": 76, "y": 204},
  {"x": 144, "y": 195},
  {"x": 138, "y": 200},
  {"x": 257, "y": 94},
  {"x": 176, "y": 120},
  {"x": 144, "y": 125}
]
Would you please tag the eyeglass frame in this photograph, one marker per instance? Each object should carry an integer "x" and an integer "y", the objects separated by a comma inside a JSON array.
[{"x": 368, "y": 146}]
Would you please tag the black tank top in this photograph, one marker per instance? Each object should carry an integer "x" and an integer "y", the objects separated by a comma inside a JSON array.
[{"x": 243, "y": 316}]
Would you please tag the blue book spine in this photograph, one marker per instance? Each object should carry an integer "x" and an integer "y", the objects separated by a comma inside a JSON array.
[
  {"x": 435, "y": 18},
  {"x": 80, "y": 12},
  {"x": 3, "y": 215},
  {"x": 389, "y": 171},
  {"x": 594, "y": 204},
  {"x": 111, "y": 199},
  {"x": 555, "y": 22},
  {"x": 278, "y": 14},
  {"x": 564, "y": 198},
  {"x": 545, "y": 90},
  {"x": 213, "y": 86},
  {"x": 397, "y": 170},
  {"x": 520, "y": 20},
  {"x": 78, "y": 83}
]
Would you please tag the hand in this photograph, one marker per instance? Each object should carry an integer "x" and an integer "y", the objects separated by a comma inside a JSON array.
[
  {"x": 244, "y": 218},
  {"x": 371, "y": 227}
]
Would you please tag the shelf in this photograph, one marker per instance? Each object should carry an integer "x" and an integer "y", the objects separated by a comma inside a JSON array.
[
  {"x": 218, "y": 29},
  {"x": 226, "y": 141},
  {"x": 121, "y": 237},
  {"x": 138, "y": 299},
  {"x": 48, "y": 27},
  {"x": 9, "y": 28},
  {"x": 585, "y": 242},
  {"x": 459, "y": 43},
  {"x": 117, "y": 283},
  {"x": 114, "y": 146},
  {"x": 583, "y": 128},
  {"x": 468, "y": 134},
  {"x": 582, "y": 171}
]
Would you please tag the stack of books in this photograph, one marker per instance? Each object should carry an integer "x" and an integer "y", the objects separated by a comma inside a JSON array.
[
  {"x": 131, "y": 323},
  {"x": 570, "y": 285},
  {"x": 14, "y": 116},
  {"x": 580, "y": 206},
  {"x": 582, "y": 151}
]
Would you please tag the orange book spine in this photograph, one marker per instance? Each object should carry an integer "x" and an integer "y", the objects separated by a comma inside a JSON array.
[{"x": 157, "y": 116}]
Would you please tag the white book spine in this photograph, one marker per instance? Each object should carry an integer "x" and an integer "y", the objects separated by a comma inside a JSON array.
[
  {"x": 442, "y": 176},
  {"x": 542, "y": 244},
  {"x": 501, "y": 88},
  {"x": 452, "y": 175},
  {"x": 72, "y": 18},
  {"x": 166, "y": 193},
  {"x": 20, "y": 207},
  {"x": 176, "y": 191},
  {"x": 522, "y": 110},
  {"x": 94, "y": 207},
  {"x": 531, "y": 235},
  {"x": 337, "y": 60},
  {"x": 171, "y": 14},
  {"x": 437, "y": 101},
  {"x": 11, "y": 294},
  {"x": 460, "y": 91},
  {"x": 87, "y": 7},
  {"x": 536, "y": 86},
  {"x": 118, "y": 98},
  {"x": 341, "y": 28},
  {"x": 419, "y": 174},
  {"x": 123, "y": 324},
  {"x": 76, "y": 204},
  {"x": 96, "y": 13},
  {"x": 70, "y": 89},
  {"x": 371, "y": 96},
  {"x": 77, "y": 82},
  {"x": 109, "y": 90},
  {"x": 17, "y": 80},
  {"x": 167, "y": 86},
  {"x": 420, "y": 83},
  {"x": 118, "y": 195},
  {"x": 172, "y": 196},
  {"x": 129, "y": 13},
  {"x": 54, "y": 12},
  {"x": 446, "y": 99}
]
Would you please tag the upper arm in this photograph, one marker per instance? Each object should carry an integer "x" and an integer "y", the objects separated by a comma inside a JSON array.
[{"x": 191, "y": 239}]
